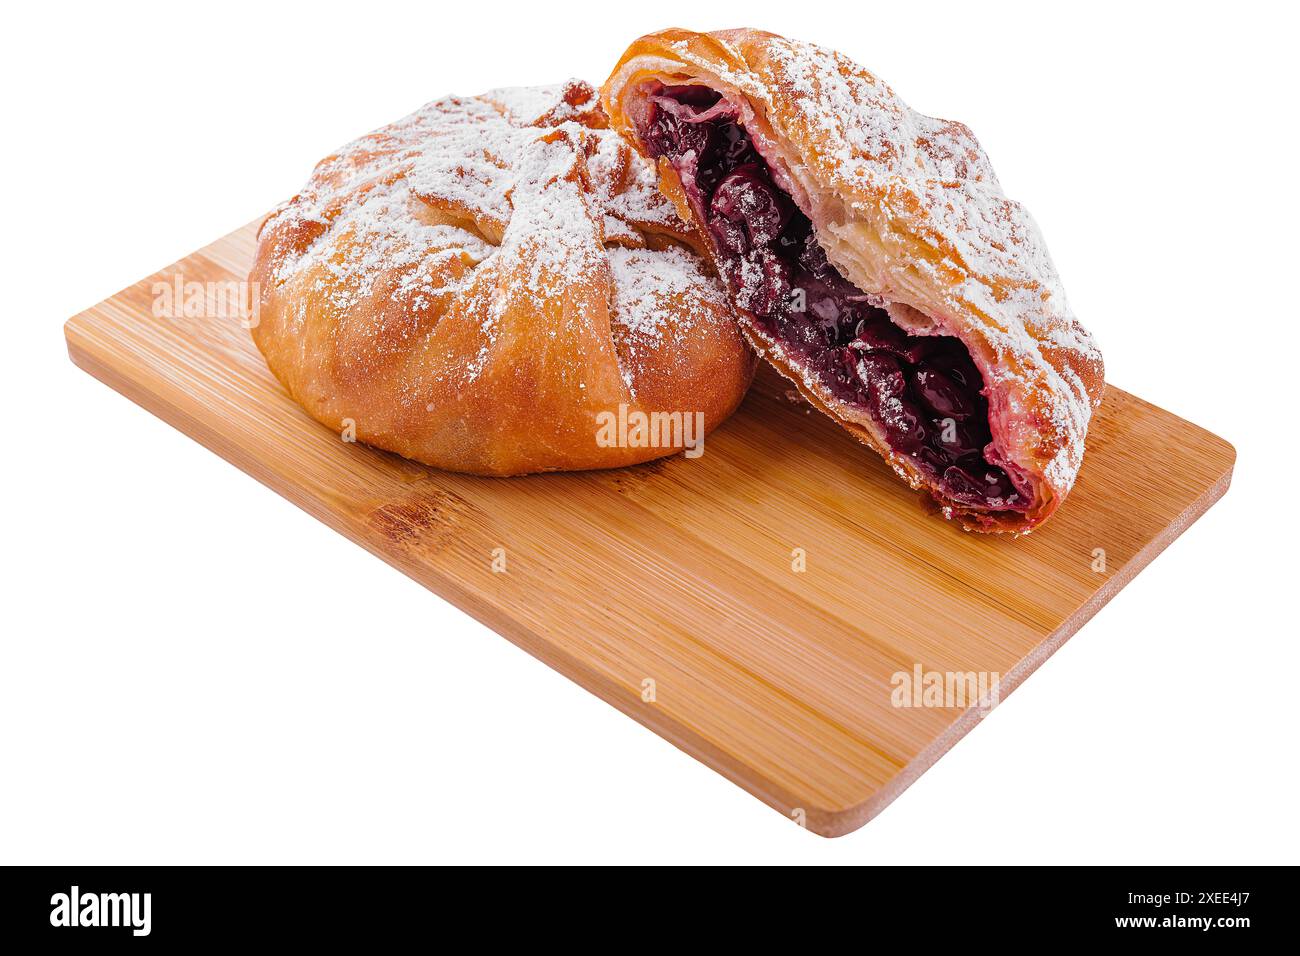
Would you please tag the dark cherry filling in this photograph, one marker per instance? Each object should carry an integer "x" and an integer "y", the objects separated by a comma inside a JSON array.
[{"x": 924, "y": 391}]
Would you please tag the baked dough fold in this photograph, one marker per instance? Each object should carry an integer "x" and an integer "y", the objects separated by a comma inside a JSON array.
[
  {"x": 805, "y": 173},
  {"x": 477, "y": 285}
]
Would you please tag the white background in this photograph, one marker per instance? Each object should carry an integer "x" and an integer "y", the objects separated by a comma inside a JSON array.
[{"x": 191, "y": 670}]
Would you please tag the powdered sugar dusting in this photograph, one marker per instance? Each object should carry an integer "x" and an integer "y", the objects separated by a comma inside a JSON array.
[
  {"x": 951, "y": 244},
  {"x": 529, "y": 175},
  {"x": 884, "y": 154},
  {"x": 644, "y": 281},
  {"x": 650, "y": 287}
]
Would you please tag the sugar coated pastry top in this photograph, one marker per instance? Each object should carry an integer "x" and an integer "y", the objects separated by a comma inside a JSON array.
[{"x": 473, "y": 285}]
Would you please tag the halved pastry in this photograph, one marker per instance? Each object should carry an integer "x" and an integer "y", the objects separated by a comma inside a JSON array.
[
  {"x": 485, "y": 285},
  {"x": 874, "y": 261}
]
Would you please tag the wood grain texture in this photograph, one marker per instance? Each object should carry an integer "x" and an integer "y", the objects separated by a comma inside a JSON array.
[{"x": 680, "y": 571}]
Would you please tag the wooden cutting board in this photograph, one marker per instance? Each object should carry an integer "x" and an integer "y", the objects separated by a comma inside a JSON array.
[{"x": 670, "y": 589}]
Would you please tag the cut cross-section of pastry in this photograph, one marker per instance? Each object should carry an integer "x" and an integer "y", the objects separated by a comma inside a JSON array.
[
  {"x": 484, "y": 284},
  {"x": 874, "y": 260}
]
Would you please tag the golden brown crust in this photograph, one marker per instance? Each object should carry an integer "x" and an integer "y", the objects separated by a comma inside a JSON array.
[
  {"x": 908, "y": 208},
  {"x": 472, "y": 286}
]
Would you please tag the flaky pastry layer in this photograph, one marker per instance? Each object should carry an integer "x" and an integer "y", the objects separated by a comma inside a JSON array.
[{"x": 907, "y": 208}]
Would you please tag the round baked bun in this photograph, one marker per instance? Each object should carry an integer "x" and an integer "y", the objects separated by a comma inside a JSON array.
[{"x": 489, "y": 285}]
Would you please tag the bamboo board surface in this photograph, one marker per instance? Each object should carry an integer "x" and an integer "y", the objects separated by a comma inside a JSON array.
[{"x": 681, "y": 572}]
